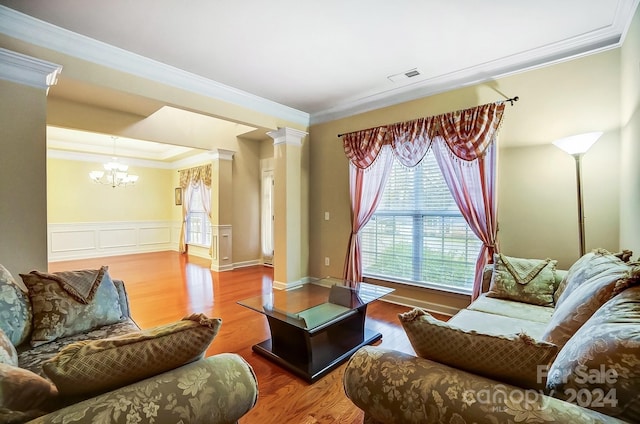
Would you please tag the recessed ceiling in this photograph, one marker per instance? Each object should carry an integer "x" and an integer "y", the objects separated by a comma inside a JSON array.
[
  {"x": 333, "y": 58},
  {"x": 64, "y": 139}
]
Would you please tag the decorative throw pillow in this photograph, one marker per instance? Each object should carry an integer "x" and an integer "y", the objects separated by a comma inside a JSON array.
[
  {"x": 100, "y": 365},
  {"x": 15, "y": 308},
  {"x": 588, "y": 266},
  {"x": 600, "y": 367},
  {"x": 22, "y": 390},
  {"x": 577, "y": 306},
  {"x": 8, "y": 354},
  {"x": 57, "y": 313},
  {"x": 514, "y": 359},
  {"x": 523, "y": 280}
]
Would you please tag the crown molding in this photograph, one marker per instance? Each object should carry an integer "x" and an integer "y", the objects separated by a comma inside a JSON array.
[
  {"x": 98, "y": 158},
  {"x": 27, "y": 70},
  {"x": 602, "y": 39},
  {"x": 34, "y": 31},
  {"x": 287, "y": 135},
  {"x": 222, "y": 154}
]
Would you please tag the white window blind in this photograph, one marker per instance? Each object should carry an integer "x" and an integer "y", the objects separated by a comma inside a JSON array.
[{"x": 418, "y": 235}]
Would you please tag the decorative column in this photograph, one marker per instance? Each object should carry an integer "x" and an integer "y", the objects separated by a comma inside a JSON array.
[
  {"x": 287, "y": 259},
  {"x": 24, "y": 84},
  {"x": 221, "y": 210}
]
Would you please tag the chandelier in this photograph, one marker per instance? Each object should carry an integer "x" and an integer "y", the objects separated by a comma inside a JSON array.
[{"x": 115, "y": 173}]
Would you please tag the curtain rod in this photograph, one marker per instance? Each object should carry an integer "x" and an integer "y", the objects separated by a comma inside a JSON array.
[{"x": 511, "y": 101}]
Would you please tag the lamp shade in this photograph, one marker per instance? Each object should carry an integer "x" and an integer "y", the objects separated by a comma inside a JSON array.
[{"x": 578, "y": 144}]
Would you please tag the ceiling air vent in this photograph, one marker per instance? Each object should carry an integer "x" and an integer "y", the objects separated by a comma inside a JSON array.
[{"x": 404, "y": 75}]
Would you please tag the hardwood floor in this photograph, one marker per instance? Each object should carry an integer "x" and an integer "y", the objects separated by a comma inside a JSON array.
[{"x": 166, "y": 286}]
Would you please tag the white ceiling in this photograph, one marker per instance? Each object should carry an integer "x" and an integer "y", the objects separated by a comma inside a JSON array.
[{"x": 333, "y": 58}]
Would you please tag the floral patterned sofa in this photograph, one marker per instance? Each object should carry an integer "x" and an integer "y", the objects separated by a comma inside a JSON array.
[
  {"x": 70, "y": 353},
  {"x": 540, "y": 345}
]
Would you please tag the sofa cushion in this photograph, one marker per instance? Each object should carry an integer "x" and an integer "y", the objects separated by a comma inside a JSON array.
[
  {"x": 100, "y": 365},
  {"x": 576, "y": 306},
  {"x": 513, "y": 359},
  {"x": 57, "y": 313},
  {"x": 523, "y": 280},
  {"x": 8, "y": 354},
  {"x": 22, "y": 390},
  {"x": 15, "y": 308},
  {"x": 599, "y": 367},
  {"x": 32, "y": 358},
  {"x": 497, "y": 324},
  {"x": 585, "y": 268},
  {"x": 509, "y": 308}
]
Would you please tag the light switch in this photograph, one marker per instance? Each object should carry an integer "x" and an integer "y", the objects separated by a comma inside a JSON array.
[{"x": 326, "y": 216}]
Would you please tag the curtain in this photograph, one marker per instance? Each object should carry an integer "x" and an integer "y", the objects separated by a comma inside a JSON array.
[
  {"x": 466, "y": 153},
  {"x": 192, "y": 179},
  {"x": 367, "y": 178}
]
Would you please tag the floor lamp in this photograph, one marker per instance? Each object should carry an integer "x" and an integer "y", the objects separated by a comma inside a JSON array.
[{"x": 577, "y": 146}]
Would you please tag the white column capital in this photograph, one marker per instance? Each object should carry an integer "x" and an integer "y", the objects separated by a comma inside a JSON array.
[
  {"x": 27, "y": 70},
  {"x": 221, "y": 154},
  {"x": 286, "y": 135}
]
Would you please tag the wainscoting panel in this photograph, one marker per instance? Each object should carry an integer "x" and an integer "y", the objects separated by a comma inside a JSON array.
[{"x": 69, "y": 241}]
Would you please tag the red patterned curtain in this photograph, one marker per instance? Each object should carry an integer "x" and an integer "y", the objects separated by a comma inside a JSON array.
[
  {"x": 368, "y": 174},
  {"x": 464, "y": 145}
]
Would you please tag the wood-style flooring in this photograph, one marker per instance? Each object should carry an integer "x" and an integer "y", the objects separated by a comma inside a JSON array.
[{"x": 166, "y": 286}]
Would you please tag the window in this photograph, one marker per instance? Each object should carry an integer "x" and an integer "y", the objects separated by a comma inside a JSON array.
[
  {"x": 418, "y": 235},
  {"x": 198, "y": 224}
]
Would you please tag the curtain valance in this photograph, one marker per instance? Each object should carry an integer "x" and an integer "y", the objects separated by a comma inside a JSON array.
[
  {"x": 195, "y": 175},
  {"x": 467, "y": 133}
]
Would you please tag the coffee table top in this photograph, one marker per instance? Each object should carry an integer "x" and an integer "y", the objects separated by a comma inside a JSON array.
[{"x": 315, "y": 303}]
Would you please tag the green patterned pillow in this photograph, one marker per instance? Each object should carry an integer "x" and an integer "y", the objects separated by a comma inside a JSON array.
[
  {"x": 599, "y": 367},
  {"x": 57, "y": 313},
  {"x": 523, "y": 280},
  {"x": 588, "y": 266},
  {"x": 513, "y": 359},
  {"x": 8, "y": 354},
  {"x": 577, "y": 305},
  {"x": 89, "y": 367},
  {"x": 15, "y": 309}
]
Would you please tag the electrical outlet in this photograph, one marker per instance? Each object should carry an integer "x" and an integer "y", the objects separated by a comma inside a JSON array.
[{"x": 326, "y": 261}]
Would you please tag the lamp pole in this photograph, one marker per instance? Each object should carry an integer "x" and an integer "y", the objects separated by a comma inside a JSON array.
[{"x": 578, "y": 158}]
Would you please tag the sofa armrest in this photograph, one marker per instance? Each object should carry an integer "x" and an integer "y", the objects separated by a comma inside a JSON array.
[
  {"x": 218, "y": 389},
  {"x": 394, "y": 387}
]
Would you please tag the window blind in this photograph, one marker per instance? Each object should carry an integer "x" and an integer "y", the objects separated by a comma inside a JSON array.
[{"x": 418, "y": 235}]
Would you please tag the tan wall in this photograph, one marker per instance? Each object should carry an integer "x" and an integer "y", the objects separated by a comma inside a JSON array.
[
  {"x": 630, "y": 171},
  {"x": 73, "y": 197},
  {"x": 23, "y": 209},
  {"x": 536, "y": 182}
]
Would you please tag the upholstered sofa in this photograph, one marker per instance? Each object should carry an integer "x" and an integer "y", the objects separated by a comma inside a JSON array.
[
  {"x": 570, "y": 355},
  {"x": 82, "y": 359}
]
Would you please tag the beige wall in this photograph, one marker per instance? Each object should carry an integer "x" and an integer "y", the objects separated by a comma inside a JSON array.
[
  {"x": 23, "y": 209},
  {"x": 630, "y": 171},
  {"x": 73, "y": 197},
  {"x": 536, "y": 181}
]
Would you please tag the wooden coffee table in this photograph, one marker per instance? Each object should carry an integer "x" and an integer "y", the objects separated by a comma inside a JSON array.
[{"x": 316, "y": 326}]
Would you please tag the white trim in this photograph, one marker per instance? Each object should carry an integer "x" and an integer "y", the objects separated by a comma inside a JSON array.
[
  {"x": 222, "y": 154},
  {"x": 287, "y": 135},
  {"x": 98, "y": 158},
  {"x": 26, "y": 70},
  {"x": 82, "y": 240},
  {"x": 34, "y": 31}
]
